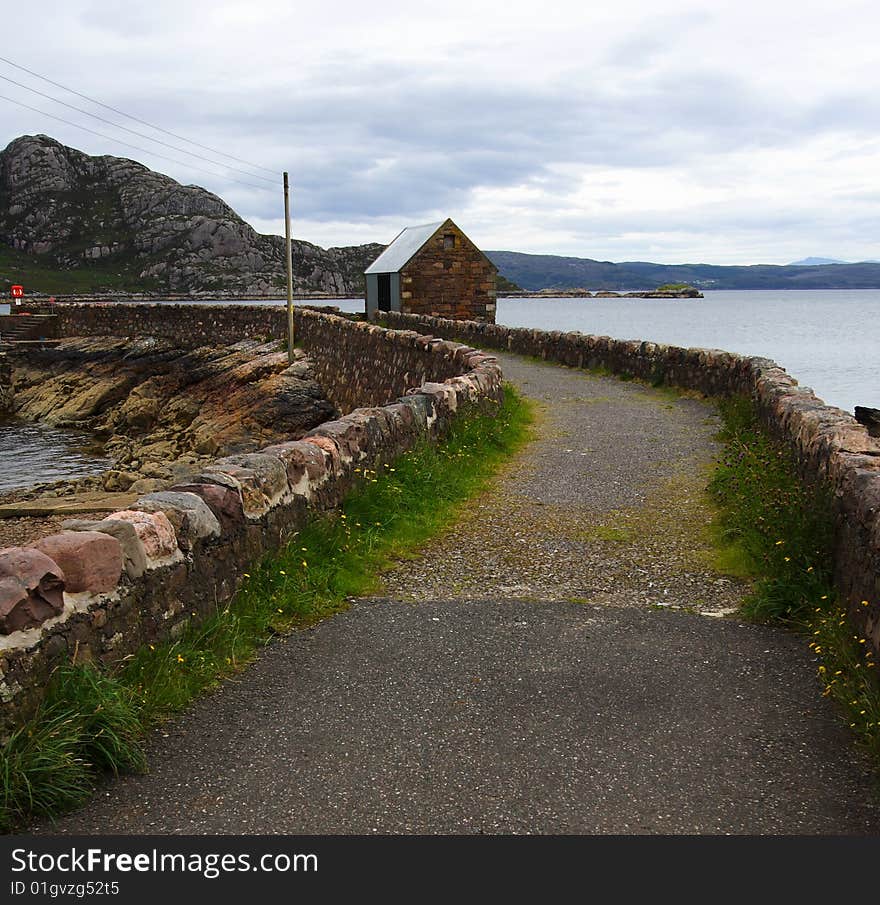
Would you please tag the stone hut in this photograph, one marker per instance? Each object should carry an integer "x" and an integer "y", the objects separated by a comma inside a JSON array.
[{"x": 433, "y": 269}]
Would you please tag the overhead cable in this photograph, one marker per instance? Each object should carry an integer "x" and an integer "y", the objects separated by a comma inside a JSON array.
[
  {"x": 136, "y": 119},
  {"x": 181, "y": 163},
  {"x": 158, "y": 141}
]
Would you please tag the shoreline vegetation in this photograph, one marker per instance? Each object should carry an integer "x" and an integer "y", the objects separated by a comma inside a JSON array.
[
  {"x": 777, "y": 530},
  {"x": 95, "y": 722}
]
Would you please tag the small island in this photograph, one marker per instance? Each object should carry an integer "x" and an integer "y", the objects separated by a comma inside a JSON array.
[{"x": 667, "y": 291}]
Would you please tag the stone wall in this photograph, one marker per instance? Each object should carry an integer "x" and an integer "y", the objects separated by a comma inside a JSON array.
[
  {"x": 100, "y": 590},
  {"x": 189, "y": 326},
  {"x": 828, "y": 443},
  {"x": 20, "y": 327},
  {"x": 354, "y": 364}
]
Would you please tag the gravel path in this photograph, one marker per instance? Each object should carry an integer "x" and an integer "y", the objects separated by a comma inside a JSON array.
[
  {"x": 607, "y": 505},
  {"x": 495, "y": 690}
]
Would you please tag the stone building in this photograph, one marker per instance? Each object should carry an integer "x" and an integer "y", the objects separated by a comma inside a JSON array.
[{"x": 433, "y": 269}]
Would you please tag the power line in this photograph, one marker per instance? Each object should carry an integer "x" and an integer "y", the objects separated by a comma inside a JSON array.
[
  {"x": 158, "y": 141},
  {"x": 135, "y": 118},
  {"x": 181, "y": 163}
]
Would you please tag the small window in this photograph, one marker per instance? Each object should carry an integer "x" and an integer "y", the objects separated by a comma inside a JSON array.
[{"x": 448, "y": 241}]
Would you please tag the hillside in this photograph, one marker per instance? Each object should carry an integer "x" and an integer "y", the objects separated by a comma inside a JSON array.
[
  {"x": 70, "y": 222},
  {"x": 552, "y": 271}
]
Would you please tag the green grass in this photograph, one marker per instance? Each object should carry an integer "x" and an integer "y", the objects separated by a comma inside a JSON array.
[
  {"x": 41, "y": 275},
  {"x": 87, "y": 723},
  {"x": 774, "y": 525},
  {"x": 92, "y": 722},
  {"x": 673, "y": 287},
  {"x": 778, "y": 530}
]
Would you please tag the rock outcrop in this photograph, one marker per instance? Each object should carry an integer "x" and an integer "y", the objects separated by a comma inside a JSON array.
[
  {"x": 73, "y": 210},
  {"x": 159, "y": 410}
]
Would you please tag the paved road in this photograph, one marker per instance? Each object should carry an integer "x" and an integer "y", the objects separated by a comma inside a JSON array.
[{"x": 562, "y": 670}]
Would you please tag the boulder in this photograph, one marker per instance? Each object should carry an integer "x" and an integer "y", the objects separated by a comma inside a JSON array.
[
  {"x": 870, "y": 418},
  {"x": 188, "y": 513},
  {"x": 91, "y": 560},
  {"x": 242, "y": 480},
  {"x": 305, "y": 463},
  {"x": 269, "y": 470},
  {"x": 134, "y": 557},
  {"x": 333, "y": 456},
  {"x": 153, "y": 530},
  {"x": 31, "y": 589},
  {"x": 147, "y": 485},
  {"x": 224, "y": 502}
]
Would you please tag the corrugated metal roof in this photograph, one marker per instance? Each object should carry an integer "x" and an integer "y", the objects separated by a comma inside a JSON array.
[{"x": 403, "y": 248}]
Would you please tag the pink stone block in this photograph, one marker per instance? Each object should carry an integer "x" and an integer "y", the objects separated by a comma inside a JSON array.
[
  {"x": 31, "y": 589},
  {"x": 329, "y": 447},
  {"x": 154, "y": 531},
  {"x": 90, "y": 560}
]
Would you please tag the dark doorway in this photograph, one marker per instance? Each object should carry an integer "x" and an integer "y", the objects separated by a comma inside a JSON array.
[{"x": 384, "y": 281}]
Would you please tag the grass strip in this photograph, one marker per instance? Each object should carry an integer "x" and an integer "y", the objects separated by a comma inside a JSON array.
[
  {"x": 92, "y": 722},
  {"x": 779, "y": 530}
]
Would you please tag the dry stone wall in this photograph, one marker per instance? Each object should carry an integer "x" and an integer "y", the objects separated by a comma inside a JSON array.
[
  {"x": 356, "y": 365},
  {"x": 101, "y": 589},
  {"x": 828, "y": 443}
]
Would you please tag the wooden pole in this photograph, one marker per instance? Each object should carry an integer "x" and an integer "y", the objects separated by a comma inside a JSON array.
[{"x": 290, "y": 332}]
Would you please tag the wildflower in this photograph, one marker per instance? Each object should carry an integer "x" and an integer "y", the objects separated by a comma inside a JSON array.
[
  {"x": 305, "y": 564},
  {"x": 779, "y": 542},
  {"x": 282, "y": 572},
  {"x": 787, "y": 558},
  {"x": 180, "y": 659}
]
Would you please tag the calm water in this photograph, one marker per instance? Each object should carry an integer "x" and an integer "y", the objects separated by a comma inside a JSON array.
[
  {"x": 36, "y": 454},
  {"x": 828, "y": 340}
]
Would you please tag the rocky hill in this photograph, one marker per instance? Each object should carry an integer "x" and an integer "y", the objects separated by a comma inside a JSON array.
[
  {"x": 556, "y": 272},
  {"x": 117, "y": 223}
]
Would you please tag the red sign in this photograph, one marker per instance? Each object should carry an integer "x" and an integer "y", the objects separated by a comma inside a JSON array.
[{"x": 18, "y": 292}]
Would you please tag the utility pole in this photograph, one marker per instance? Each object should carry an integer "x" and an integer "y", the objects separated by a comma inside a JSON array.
[{"x": 290, "y": 336}]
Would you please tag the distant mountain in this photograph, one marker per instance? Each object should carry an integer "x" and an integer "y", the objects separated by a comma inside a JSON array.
[
  {"x": 815, "y": 262},
  {"x": 72, "y": 222},
  {"x": 555, "y": 272}
]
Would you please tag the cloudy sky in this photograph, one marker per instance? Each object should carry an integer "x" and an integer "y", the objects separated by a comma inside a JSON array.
[{"x": 716, "y": 131}]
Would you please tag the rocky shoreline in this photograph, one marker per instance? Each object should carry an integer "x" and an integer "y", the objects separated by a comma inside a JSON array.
[{"x": 157, "y": 412}]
